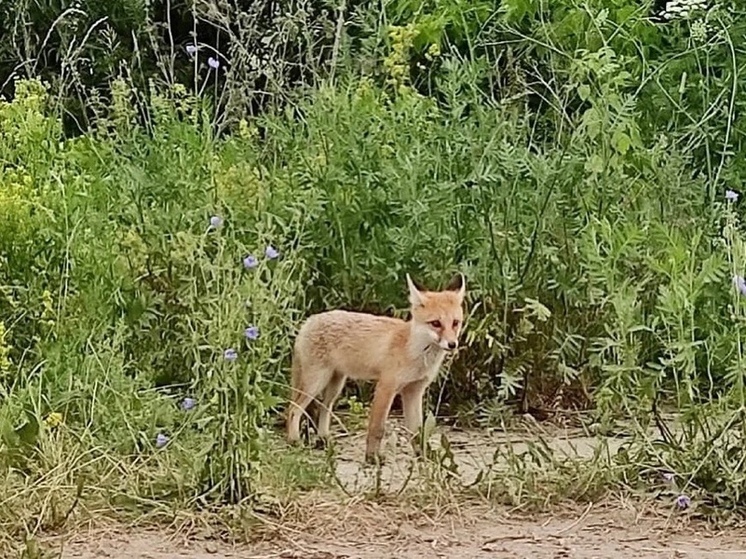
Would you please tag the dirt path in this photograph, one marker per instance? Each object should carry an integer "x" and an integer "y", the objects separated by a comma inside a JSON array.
[
  {"x": 587, "y": 535},
  {"x": 473, "y": 449},
  {"x": 325, "y": 526}
]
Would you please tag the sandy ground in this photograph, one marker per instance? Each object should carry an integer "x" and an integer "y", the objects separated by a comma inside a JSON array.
[
  {"x": 474, "y": 450},
  {"x": 586, "y": 535},
  {"x": 357, "y": 527}
]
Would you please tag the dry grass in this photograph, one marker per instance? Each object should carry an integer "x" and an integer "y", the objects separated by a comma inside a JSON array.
[
  {"x": 324, "y": 525},
  {"x": 311, "y": 498}
]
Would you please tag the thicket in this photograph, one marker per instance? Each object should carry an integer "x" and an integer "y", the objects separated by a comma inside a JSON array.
[{"x": 182, "y": 184}]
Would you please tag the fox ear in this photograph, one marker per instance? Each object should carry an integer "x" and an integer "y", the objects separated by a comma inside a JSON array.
[
  {"x": 458, "y": 284},
  {"x": 415, "y": 295}
]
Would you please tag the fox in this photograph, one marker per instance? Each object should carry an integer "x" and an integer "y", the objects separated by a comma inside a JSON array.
[{"x": 400, "y": 357}]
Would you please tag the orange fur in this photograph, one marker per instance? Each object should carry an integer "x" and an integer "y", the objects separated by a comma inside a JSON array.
[{"x": 400, "y": 357}]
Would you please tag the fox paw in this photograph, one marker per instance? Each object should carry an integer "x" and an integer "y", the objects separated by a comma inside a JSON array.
[
  {"x": 322, "y": 443},
  {"x": 375, "y": 459}
]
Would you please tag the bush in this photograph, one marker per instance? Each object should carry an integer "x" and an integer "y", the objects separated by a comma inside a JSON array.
[{"x": 145, "y": 285}]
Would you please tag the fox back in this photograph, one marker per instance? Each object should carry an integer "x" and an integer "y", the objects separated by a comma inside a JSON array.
[{"x": 365, "y": 346}]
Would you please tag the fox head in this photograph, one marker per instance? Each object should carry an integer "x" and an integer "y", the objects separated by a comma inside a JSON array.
[{"x": 438, "y": 315}]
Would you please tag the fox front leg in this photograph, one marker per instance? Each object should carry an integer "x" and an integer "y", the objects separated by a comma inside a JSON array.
[
  {"x": 411, "y": 397},
  {"x": 379, "y": 412}
]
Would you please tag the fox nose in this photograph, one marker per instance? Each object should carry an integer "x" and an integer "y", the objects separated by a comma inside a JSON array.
[{"x": 451, "y": 345}]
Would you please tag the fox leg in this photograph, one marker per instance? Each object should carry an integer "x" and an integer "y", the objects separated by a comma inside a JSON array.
[
  {"x": 379, "y": 411},
  {"x": 331, "y": 393},
  {"x": 308, "y": 382},
  {"x": 411, "y": 398}
]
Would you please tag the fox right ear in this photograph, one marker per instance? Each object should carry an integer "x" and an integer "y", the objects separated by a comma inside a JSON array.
[
  {"x": 415, "y": 296},
  {"x": 458, "y": 284}
]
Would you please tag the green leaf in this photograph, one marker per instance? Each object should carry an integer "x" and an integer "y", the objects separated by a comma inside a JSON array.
[
  {"x": 621, "y": 142},
  {"x": 595, "y": 164},
  {"x": 429, "y": 427},
  {"x": 28, "y": 433},
  {"x": 270, "y": 400}
]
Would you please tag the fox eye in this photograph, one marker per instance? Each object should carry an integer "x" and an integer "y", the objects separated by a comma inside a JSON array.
[
  {"x": 456, "y": 323},
  {"x": 435, "y": 324}
]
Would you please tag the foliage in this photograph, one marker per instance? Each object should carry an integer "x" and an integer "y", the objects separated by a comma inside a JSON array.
[{"x": 139, "y": 286}]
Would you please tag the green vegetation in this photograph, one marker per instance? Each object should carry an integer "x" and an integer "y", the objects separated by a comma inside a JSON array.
[{"x": 161, "y": 206}]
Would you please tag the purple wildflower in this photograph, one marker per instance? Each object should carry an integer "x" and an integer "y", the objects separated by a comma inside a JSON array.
[
  {"x": 188, "y": 403},
  {"x": 216, "y": 222},
  {"x": 740, "y": 284},
  {"x": 271, "y": 253},
  {"x": 161, "y": 440},
  {"x": 683, "y": 501},
  {"x": 252, "y": 332},
  {"x": 250, "y": 262},
  {"x": 230, "y": 354},
  {"x": 667, "y": 477},
  {"x": 731, "y": 195},
  {"x": 213, "y": 63},
  {"x": 191, "y": 49}
]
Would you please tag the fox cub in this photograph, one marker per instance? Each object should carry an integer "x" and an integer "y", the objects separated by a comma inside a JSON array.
[{"x": 402, "y": 357}]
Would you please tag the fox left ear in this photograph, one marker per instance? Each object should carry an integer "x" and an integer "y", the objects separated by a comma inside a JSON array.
[
  {"x": 458, "y": 284},
  {"x": 415, "y": 295}
]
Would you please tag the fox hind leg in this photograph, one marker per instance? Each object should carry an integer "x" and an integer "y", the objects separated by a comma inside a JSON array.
[
  {"x": 331, "y": 393},
  {"x": 307, "y": 383}
]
